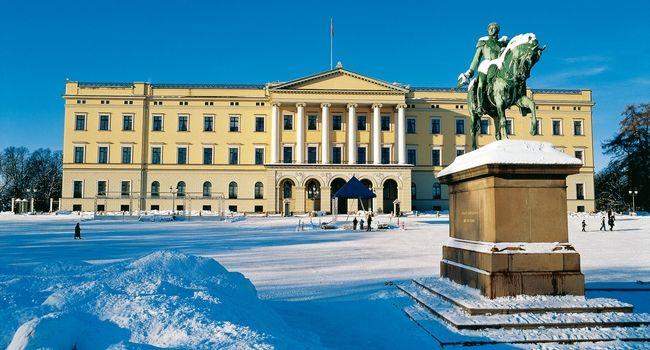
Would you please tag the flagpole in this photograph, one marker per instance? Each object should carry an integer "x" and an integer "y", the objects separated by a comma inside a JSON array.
[{"x": 331, "y": 43}]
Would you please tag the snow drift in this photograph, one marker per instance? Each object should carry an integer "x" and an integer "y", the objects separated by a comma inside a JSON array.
[{"x": 165, "y": 299}]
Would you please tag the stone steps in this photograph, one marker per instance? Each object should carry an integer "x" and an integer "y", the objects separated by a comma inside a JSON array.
[{"x": 437, "y": 309}]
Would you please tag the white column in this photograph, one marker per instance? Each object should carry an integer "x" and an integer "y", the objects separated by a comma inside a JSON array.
[
  {"x": 13, "y": 205},
  {"x": 376, "y": 133},
  {"x": 352, "y": 133},
  {"x": 275, "y": 132},
  {"x": 300, "y": 137},
  {"x": 401, "y": 135},
  {"x": 325, "y": 138}
]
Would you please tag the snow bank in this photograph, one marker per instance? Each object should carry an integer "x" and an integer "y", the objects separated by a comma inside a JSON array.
[
  {"x": 165, "y": 299},
  {"x": 510, "y": 152}
]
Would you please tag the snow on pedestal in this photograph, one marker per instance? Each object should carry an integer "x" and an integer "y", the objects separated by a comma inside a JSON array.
[{"x": 511, "y": 152}]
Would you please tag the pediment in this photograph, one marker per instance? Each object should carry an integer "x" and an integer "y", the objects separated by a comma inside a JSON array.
[{"x": 339, "y": 80}]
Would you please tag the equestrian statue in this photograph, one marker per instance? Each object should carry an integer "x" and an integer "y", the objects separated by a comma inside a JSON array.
[{"x": 503, "y": 67}]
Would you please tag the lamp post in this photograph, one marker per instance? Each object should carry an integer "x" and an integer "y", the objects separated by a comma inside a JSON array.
[
  {"x": 633, "y": 193},
  {"x": 173, "y": 191}
]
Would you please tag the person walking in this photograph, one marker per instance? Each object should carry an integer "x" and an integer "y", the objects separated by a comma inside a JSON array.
[
  {"x": 584, "y": 224},
  {"x": 369, "y": 222},
  {"x": 361, "y": 224},
  {"x": 603, "y": 227},
  {"x": 611, "y": 223},
  {"x": 354, "y": 224},
  {"x": 77, "y": 231}
]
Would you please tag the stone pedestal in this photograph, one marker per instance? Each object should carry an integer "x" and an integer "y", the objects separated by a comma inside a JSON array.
[{"x": 508, "y": 222}]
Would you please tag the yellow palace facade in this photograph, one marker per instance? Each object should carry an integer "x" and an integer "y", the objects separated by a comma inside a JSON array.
[{"x": 287, "y": 147}]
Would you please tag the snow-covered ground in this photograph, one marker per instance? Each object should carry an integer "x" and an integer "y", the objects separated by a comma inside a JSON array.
[{"x": 318, "y": 288}]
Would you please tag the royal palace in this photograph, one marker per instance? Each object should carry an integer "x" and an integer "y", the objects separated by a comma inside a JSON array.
[{"x": 288, "y": 147}]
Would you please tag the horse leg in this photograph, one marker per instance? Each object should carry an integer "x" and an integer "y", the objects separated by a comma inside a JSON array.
[
  {"x": 501, "y": 126},
  {"x": 526, "y": 102}
]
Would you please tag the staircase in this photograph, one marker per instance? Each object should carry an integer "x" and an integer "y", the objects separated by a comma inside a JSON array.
[{"x": 459, "y": 316}]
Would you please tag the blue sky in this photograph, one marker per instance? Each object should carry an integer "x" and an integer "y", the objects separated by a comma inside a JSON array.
[{"x": 603, "y": 46}]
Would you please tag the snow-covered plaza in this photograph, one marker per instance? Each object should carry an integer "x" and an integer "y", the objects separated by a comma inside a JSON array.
[{"x": 318, "y": 288}]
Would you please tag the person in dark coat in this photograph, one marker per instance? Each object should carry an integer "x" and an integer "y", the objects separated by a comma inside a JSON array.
[
  {"x": 584, "y": 224},
  {"x": 354, "y": 224},
  {"x": 361, "y": 224},
  {"x": 602, "y": 224},
  {"x": 369, "y": 222},
  {"x": 77, "y": 231},
  {"x": 611, "y": 223}
]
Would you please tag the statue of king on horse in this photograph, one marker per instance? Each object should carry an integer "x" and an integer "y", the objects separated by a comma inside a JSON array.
[{"x": 503, "y": 67}]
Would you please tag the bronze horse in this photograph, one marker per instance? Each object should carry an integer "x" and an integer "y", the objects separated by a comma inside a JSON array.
[{"x": 505, "y": 85}]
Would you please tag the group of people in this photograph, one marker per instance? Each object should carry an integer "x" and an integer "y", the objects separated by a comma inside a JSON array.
[
  {"x": 603, "y": 227},
  {"x": 360, "y": 222}
]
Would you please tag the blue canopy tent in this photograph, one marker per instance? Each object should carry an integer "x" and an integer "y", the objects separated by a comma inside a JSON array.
[{"x": 354, "y": 189}]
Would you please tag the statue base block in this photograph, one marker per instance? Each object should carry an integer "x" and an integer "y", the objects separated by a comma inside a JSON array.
[{"x": 508, "y": 221}]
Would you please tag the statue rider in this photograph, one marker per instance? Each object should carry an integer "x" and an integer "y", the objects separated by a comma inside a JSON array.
[{"x": 487, "y": 48}]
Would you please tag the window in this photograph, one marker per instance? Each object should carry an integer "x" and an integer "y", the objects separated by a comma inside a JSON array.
[
  {"x": 156, "y": 155},
  {"x": 311, "y": 155},
  {"x": 207, "y": 155},
  {"x": 509, "y": 127},
  {"x": 234, "y": 123},
  {"x": 437, "y": 193},
  {"x": 127, "y": 123},
  {"x": 259, "y": 190},
  {"x": 538, "y": 127},
  {"x": 579, "y": 154},
  {"x": 580, "y": 191},
  {"x": 259, "y": 124},
  {"x": 288, "y": 122},
  {"x": 312, "y": 122},
  {"x": 232, "y": 190},
  {"x": 80, "y": 122},
  {"x": 180, "y": 189},
  {"x": 361, "y": 155},
  {"x": 580, "y": 209},
  {"x": 206, "y": 207},
  {"x": 77, "y": 189},
  {"x": 208, "y": 123},
  {"x": 232, "y": 208},
  {"x": 182, "y": 103},
  {"x": 78, "y": 154},
  {"x": 125, "y": 188},
  {"x": 101, "y": 187},
  {"x": 435, "y": 125},
  {"x": 233, "y": 155},
  {"x": 460, "y": 151},
  {"x": 577, "y": 128},
  {"x": 287, "y": 154},
  {"x": 126, "y": 154},
  {"x": 485, "y": 126},
  {"x": 181, "y": 155},
  {"x": 460, "y": 126},
  {"x": 183, "y": 122},
  {"x": 337, "y": 122},
  {"x": 435, "y": 157},
  {"x": 385, "y": 123},
  {"x": 410, "y": 126},
  {"x": 102, "y": 155},
  {"x": 287, "y": 189},
  {"x": 207, "y": 189},
  {"x": 413, "y": 191},
  {"x": 155, "y": 207},
  {"x": 101, "y": 208},
  {"x": 361, "y": 122},
  {"x": 259, "y": 208},
  {"x": 157, "y": 124},
  {"x": 104, "y": 122},
  {"x": 155, "y": 189},
  {"x": 336, "y": 155},
  {"x": 385, "y": 155},
  {"x": 76, "y": 207},
  {"x": 557, "y": 127},
  {"x": 411, "y": 156},
  {"x": 259, "y": 156}
]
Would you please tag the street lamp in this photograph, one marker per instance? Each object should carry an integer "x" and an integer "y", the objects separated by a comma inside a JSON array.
[
  {"x": 173, "y": 191},
  {"x": 633, "y": 193}
]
